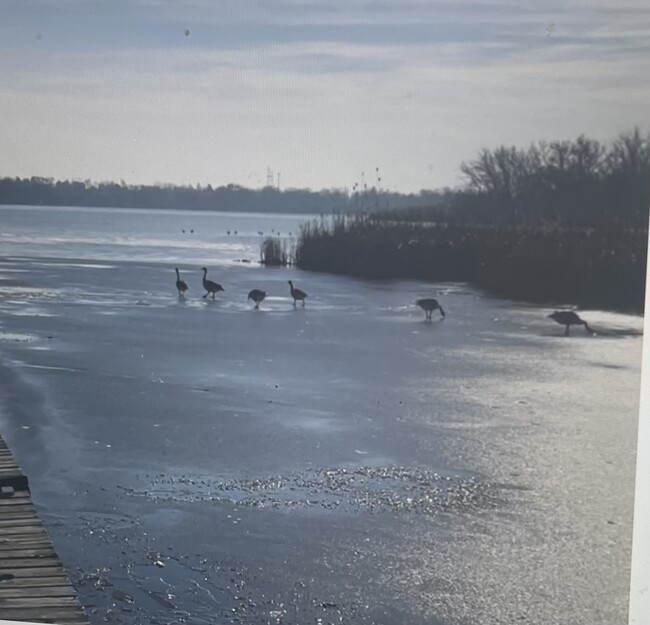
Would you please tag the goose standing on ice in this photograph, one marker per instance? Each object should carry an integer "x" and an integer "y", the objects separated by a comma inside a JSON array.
[
  {"x": 257, "y": 296},
  {"x": 568, "y": 318},
  {"x": 297, "y": 294},
  {"x": 209, "y": 285},
  {"x": 181, "y": 285},
  {"x": 428, "y": 305}
]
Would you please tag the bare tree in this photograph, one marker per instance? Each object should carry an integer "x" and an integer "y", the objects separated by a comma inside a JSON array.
[{"x": 630, "y": 154}]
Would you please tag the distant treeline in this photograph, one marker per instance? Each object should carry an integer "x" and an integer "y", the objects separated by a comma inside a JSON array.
[
  {"x": 558, "y": 223},
  {"x": 49, "y": 192}
]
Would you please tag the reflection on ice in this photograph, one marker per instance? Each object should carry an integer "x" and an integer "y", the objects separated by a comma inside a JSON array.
[
  {"x": 71, "y": 265},
  {"x": 373, "y": 488},
  {"x": 48, "y": 367},
  {"x": 321, "y": 425},
  {"x": 15, "y": 337},
  {"x": 28, "y": 312},
  {"x": 139, "y": 242}
]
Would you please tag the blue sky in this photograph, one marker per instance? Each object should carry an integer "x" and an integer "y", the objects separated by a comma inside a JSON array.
[{"x": 319, "y": 91}]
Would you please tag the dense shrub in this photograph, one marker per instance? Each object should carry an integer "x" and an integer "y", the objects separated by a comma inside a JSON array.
[
  {"x": 596, "y": 266},
  {"x": 562, "y": 222},
  {"x": 274, "y": 253}
]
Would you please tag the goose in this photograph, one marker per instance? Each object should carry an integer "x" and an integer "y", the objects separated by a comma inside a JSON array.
[
  {"x": 181, "y": 285},
  {"x": 568, "y": 318},
  {"x": 257, "y": 296},
  {"x": 428, "y": 305},
  {"x": 297, "y": 294},
  {"x": 209, "y": 286}
]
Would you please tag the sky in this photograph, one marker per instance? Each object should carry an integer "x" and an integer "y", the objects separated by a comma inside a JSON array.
[{"x": 322, "y": 94}]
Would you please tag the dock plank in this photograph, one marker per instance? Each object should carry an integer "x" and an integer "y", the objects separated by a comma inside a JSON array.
[
  {"x": 26, "y": 512},
  {"x": 19, "y": 522},
  {"x": 29, "y": 544},
  {"x": 16, "y": 499},
  {"x": 7, "y": 531},
  {"x": 36, "y": 583},
  {"x": 18, "y": 592},
  {"x": 60, "y": 616},
  {"x": 28, "y": 602},
  {"x": 27, "y": 563},
  {"x": 28, "y": 538},
  {"x": 33, "y": 584},
  {"x": 13, "y": 513},
  {"x": 18, "y": 552},
  {"x": 32, "y": 572}
]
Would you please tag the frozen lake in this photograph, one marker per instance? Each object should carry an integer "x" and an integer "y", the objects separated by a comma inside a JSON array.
[{"x": 202, "y": 462}]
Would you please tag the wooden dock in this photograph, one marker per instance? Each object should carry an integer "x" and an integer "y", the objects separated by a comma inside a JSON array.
[{"x": 33, "y": 584}]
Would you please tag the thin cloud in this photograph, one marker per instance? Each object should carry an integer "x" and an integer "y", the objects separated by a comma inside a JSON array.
[{"x": 342, "y": 93}]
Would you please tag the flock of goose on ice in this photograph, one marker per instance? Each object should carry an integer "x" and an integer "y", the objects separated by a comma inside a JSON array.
[{"x": 566, "y": 318}]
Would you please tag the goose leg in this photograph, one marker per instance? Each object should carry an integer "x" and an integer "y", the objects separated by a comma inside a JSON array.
[
  {"x": 566, "y": 332},
  {"x": 206, "y": 295}
]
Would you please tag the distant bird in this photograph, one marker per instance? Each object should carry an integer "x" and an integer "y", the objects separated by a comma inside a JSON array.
[
  {"x": 568, "y": 318},
  {"x": 209, "y": 286},
  {"x": 428, "y": 305},
  {"x": 257, "y": 296},
  {"x": 181, "y": 285},
  {"x": 297, "y": 294}
]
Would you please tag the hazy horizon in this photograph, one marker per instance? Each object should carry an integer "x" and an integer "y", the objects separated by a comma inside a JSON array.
[{"x": 182, "y": 93}]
